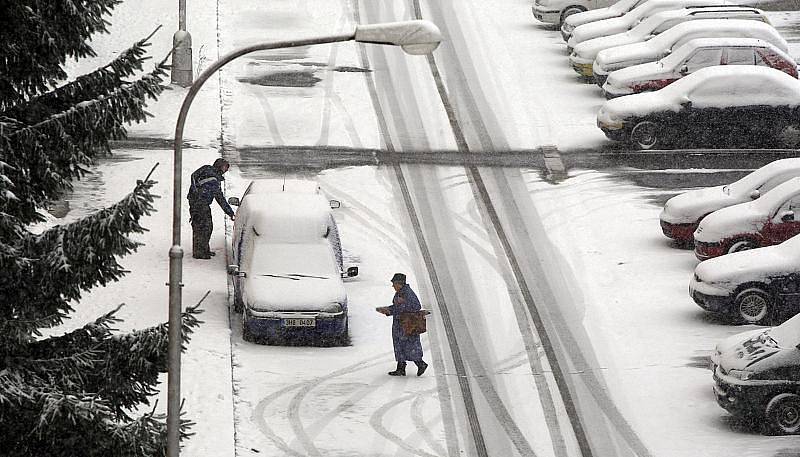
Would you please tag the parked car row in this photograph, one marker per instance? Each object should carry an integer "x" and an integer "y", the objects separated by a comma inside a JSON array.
[
  {"x": 748, "y": 240},
  {"x": 684, "y": 72}
]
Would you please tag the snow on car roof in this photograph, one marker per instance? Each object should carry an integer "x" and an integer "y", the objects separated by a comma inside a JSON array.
[
  {"x": 707, "y": 27},
  {"x": 682, "y": 52},
  {"x": 288, "y": 217},
  {"x": 262, "y": 186},
  {"x": 735, "y": 85},
  {"x": 314, "y": 259}
]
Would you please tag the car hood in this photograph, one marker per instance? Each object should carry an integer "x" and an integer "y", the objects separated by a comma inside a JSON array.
[
  {"x": 643, "y": 72},
  {"x": 591, "y": 49},
  {"x": 636, "y": 105},
  {"x": 591, "y": 16},
  {"x": 755, "y": 351},
  {"x": 747, "y": 266},
  {"x": 637, "y": 52},
  {"x": 690, "y": 206},
  {"x": 730, "y": 221},
  {"x": 267, "y": 293},
  {"x": 596, "y": 29}
]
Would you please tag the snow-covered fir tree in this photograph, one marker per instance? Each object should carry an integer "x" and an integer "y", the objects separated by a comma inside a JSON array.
[{"x": 78, "y": 393}]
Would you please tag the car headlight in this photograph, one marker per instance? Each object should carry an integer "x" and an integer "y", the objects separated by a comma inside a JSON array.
[
  {"x": 568, "y": 27},
  {"x": 332, "y": 308},
  {"x": 543, "y": 2},
  {"x": 742, "y": 375}
]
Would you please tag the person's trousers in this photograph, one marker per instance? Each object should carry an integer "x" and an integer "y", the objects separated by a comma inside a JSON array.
[{"x": 202, "y": 226}]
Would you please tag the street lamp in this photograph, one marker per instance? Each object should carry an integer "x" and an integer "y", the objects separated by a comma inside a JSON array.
[
  {"x": 182, "y": 50},
  {"x": 414, "y": 37}
]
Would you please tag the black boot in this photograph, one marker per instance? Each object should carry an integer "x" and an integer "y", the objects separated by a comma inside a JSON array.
[
  {"x": 400, "y": 371},
  {"x": 421, "y": 367}
]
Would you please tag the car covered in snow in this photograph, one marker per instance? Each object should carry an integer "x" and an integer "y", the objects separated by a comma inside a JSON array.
[
  {"x": 682, "y": 213},
  {"x": 771, "y": 219},
  {"x": 631, "y": 19},
  {"x": 616, "y": 10},
  {"x": 725, "y": 103},
  {"x": 555, "y": 11},
  {"x": 692, "y": 56},
  {"x": 287, "y": 268},
  {"x": 612, "y": 59},
  {"x": 759, "y": 286},
  {"x": 757, "y": 377}
]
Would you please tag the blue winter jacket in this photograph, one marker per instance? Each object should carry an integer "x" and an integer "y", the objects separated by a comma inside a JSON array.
[{"x": 206, "y": 186}]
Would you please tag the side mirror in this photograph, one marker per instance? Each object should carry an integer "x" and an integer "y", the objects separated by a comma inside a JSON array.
[
  {"x": 755, "y": 194},
  {"x": 351, "y": 271},
  {"x": 234, "y": 201},
  {"x": 686, "y": 104},
  {"x": 787, "y": 216},
  {"x": 684, "y": 70},
  {"x": 335, "y": 204}
]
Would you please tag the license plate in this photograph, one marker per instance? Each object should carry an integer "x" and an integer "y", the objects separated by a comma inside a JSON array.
[{"x": 300, "y": 322}]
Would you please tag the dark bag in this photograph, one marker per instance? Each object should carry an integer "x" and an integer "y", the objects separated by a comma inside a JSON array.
[{"x": 413, "y": 323}]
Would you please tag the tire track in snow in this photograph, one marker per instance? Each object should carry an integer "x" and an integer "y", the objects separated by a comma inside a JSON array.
[
  {"x": 376, "y": 421},
  {"x": 422, "y": 426}
]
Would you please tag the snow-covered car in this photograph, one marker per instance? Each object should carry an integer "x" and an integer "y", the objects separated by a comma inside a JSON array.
[
  {"x": 555, "y": 11},
  {"x": 616, "y": 10},
  {"x": 690, "y": 57},
  {"x": 682, "y": 213},
  {"x": 630, "y": 19},
  {"x": 757, "y": 377},
  {"x": 725, "y": 102},
  {"x": 771, "y": 219},
  {"x": 585, "y": 56},
  {"x": 612, "y": 59},
  {"x": 759, "y": 286},
  {"x": 286, "y": 269}
]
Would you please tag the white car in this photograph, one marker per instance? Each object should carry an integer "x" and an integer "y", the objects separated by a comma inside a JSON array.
[
  {"x": 616, "y": 10},
  {"x": 555, "y": 11},
  {"x": 771, "y": 219},
  {"x": 609, "y": 60},
  {"x": 692, "y": 56},
  {"x": 630, "y": 19},
  {"x": 756, "y": 377},
  {"x": 682, "y": 213},
  {"x": 583, "y": 57},
  {"x": 759, "y": 286},
  {"x": 286, "y": 276}
]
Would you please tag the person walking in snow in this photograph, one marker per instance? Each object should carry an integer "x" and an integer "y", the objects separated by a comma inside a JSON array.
[
  {"x": 206, "y": 186},
  {"x": 406, "y": 347}
]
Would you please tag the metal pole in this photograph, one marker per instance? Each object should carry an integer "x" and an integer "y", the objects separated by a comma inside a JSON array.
[
  {"x": 182, "y": 73},
  {"x": 176, "y": 252}
]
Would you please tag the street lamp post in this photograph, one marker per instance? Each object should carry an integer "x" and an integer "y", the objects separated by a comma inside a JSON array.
[
  {"x": 414, "y": 37},
  {"x": 182, "y": 50}
]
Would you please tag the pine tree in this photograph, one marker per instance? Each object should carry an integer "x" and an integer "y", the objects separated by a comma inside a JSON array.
[{"x": 74, "y": 394}]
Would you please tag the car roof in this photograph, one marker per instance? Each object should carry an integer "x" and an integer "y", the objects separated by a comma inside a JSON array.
[
  {"x": 261, "y": 186},
  {"x": 709, "y": 26},
  {"x": 739, "y": 76},
  {"x": 290, "y": 217}
]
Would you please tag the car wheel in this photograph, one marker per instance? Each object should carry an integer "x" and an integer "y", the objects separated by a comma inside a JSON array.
[
  {"x": 788, "y": 136},
  {"x": 646, "y": 135},
  {"x": 741, "y": 245},
  {"x": 753, "y": 305},
  {"x": 569, "y": 12},
  {"x": 783, "y": 414}
]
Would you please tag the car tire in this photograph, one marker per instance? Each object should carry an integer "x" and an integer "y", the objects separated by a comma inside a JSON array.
[
  {"x": 569, "y": 12},
  {"x": 646, "y": 135},
  {"x": 741, "y": 245},
  {"x": 754, "y": 306},
  {"x": 783, "y": 415}
]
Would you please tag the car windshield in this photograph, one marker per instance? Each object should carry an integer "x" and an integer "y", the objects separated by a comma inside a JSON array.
[
  {"x": 647, "y": 26},
  {"x": 752, "y": 181},
  {"x": 787, "y": 334},
  {"x": 679, "y": 56},
  {"x": 625, "y": 5},
  {"x": 294, "y": 261}
]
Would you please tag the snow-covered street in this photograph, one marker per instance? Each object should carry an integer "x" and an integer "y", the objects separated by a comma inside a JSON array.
[{"x": 556, "y": 299}]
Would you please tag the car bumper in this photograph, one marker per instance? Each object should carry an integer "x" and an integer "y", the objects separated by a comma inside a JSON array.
[
  {"x": 744, "y": 398},
  {"x": 679, "y": 232},
  {"x": 599, "y": 77},
  {"x": 613, "y": 131},
  {"x": 547, "y": 15},
  {"x": 705, "y": 251},
  {"x": 710, "y": 298},
  {"x": 274, "y": 325}
]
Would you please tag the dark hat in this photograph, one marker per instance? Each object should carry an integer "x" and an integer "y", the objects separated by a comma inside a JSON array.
[
  {"x": 221, "y": 163},
  {"x": 399, "y": 277}
]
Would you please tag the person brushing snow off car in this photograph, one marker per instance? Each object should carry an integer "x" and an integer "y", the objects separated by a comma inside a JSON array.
[
  {"x": 407, "y": 347},
  {"x": 206, "y": 187}
]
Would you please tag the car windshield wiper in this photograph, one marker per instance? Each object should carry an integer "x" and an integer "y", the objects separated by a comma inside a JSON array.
[
  {"x": 308, "y": 276},
  {"x": 280, "y": 276}
]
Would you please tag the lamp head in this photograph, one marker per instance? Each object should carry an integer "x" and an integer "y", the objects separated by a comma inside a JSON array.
[{"x": 415, "y": 37}]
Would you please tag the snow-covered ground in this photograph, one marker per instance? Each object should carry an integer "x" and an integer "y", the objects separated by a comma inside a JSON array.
[{"x": 650, "y": 340}]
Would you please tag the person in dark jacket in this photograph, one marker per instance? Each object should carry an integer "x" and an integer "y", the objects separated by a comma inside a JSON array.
[
  {"x": 206, "y": 186},
  {"x": 406, "y": 347}
]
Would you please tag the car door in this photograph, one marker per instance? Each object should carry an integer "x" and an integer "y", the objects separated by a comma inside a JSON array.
[
  {"x": 784, "y": 222},
  {"x": 788, "y": 288}
]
